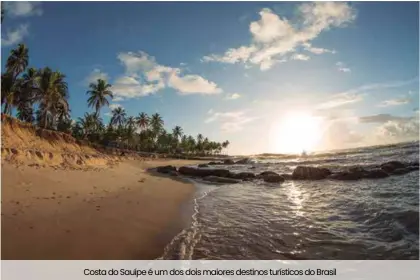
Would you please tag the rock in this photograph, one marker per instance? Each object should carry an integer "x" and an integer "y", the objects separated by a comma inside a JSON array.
[
  {"x": 216, "y": 179},
  {"x": 251, "y": 167},
  {"x": 401, "y": 171},
  {"x": 271, "y": 178},
  {"x": 243, "y": 175},
  {"x": 267, "y": 173},
  {"x": 310, "y": 173},
  {"x": 287, "y": 176},
  {"x": 173, "y": 173},
  {"x": 345, "y": 176},
  {"x": 243, "y": 161},
  {"x": 166, "y": 169},
  {"x": 191, "y": 171},
  {"x": 375, "y": 174},
  {"x": 203, "y": 165},
  {"x": 212, "y": 163},
  {"x": 228, "y": 161},
  {"x": 389, "y": 167}
]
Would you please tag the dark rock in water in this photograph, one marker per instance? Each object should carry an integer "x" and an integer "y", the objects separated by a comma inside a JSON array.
[
  {"x": 243, "y": 175},
  {"x": 203, "y": 165},
  {"x": 271, "y": 178},
  {"x": 287, "y": 176},
  {"x": 213, "y": 163},
  {"x": 375, "y": 174},
  {"x": 243, "y": 161},
  {"x": 389, "y": 167},
  {"x": 345, "y": 176},
  {"x": 251, "y": 167},
  {"x": 401, "y": 171},
  {"x": 310, "y": 173},
  {"x": 173, "y": 173},
  {"x": 191, "y": 171},
  {"x": 228, "y": 161},
  {"x": 357, "y": 169},
  {"x": 216, "y": 179},
  {"x": 166, "y": 169},
  {"x": 267, "y": 173}
]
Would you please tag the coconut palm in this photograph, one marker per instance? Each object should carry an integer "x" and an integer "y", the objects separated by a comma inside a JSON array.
[
  {"x": 142, "y": 121},
  {"x": 131, "y": 122},
  {"x": 10, "y": 89},
  {"x": 156, "y": 123},
  {"x": 118, "y": 116},
  {"x": 90, "y": 124},
  {"x": 52, "y": 94},
  {"x": 98, "y": 95},
  {"x": 17, "y": 61},
  {"x": 177, "y": 132}
]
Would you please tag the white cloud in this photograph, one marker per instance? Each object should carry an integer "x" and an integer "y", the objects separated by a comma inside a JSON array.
[
  {"x": 398, "y": 129},
  {"x": 230, "y": 121},
  {"x": 95, "y": 75},
  {"x": 115, "y": 106},
  {"x": 233, "y": 96},
  {"x": 144, "y": 76},
  {"x": 14, "y": 36},
  {"x": 299, "y": 56},
  {"x": 340, "y": 99},
  {"x": 307, "y": 46},
  {"x": 342, "y": 67},
  {"x": 274, "y": 37},
  {"x": 394, "y": 102},
  {"x": 22, "y": 8}
]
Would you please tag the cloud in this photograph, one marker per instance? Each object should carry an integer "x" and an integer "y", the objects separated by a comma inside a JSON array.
[
  {"x": 233, "y": 96},
  {"x": 356, "y": 94},
  {"x": 144, "y": 76},
  {"x": 273, "y": 37},
  {"x": 382, "y": 118},
  {"x": 95, "y": 75},
  {"x": 299, "y": 56},
  {"x": 22, "y": 8},
  {"x": 15, "y": 36},
  {"x": 398, "y": 129},
  {"x": 342, "y": 67},
  {"x": 115, "y": 106},
  {"x": 395, "y": 102},
  {"x": 230, "y": 121},
  {"x": 307, "y": 46}
]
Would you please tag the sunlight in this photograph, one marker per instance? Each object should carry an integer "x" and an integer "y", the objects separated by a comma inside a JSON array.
[{"x": 295, "y": 132}]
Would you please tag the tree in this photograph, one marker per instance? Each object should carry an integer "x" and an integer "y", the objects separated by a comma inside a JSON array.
[
  {"x": 10, "y": 90},
  {"x": 98, "y": 95},
  {"x": 131, "y": 122},
  {"x": 90, "y": 123},
  {"x": 177, "y": 132},
  {"x": 156, "y": 124},
  {"x": 142, "y": 121},
  {"x": 118, "y": 116},
  {"x": 52, "y": 94},
  {"x": 17, "y": 61}
]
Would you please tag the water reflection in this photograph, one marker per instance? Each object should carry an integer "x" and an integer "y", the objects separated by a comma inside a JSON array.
[{"x": 296, "y": 197}]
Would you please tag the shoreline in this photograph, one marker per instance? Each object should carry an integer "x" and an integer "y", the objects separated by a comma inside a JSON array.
[{"x": 123, "y": 212}]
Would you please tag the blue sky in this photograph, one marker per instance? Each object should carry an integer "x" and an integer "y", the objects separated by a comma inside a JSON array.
[{"x": 237, "y": 70}]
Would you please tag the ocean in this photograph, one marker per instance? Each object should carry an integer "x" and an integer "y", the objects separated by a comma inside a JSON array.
[{"x": 325, "y": 219}]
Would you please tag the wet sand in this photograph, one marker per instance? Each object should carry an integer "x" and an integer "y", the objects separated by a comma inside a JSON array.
[{"x": 122, "y": 212}]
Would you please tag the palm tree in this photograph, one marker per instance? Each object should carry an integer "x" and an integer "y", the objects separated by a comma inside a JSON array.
[
  {"x": 156, "y": 123},
  {"x": 17, "y": 61},
  {"x": 177, "y": 132},
  {"x": 98, "y": 94},
  {"x": 118, "y": 116},
  {"x": 225, "y": 144},
  {"x": 52, "y": 94},
  {"x": 10, "y": 90},
  {"x": 142, "y": 121},
  {"x": 90, "y": 124}
]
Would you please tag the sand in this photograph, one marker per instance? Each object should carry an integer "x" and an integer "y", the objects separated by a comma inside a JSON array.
[{"x": 121, "y": 212}]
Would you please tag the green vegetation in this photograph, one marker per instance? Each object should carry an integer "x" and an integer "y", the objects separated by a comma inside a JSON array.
[{"x": 41, "y": 96}]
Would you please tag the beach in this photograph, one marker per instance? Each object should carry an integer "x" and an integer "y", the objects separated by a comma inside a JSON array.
[{"x": 120, "y": 212}]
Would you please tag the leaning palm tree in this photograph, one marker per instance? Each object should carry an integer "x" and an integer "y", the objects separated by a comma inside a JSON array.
[
  {"x": 17, "y": 61},
  {"x": 10, "y": 89},
  {"x": 98, "y": 94},
  {"x": 52, "y": 94},
  {"x": 142, "y": 121},
  {"x": 118, "y": 116}
]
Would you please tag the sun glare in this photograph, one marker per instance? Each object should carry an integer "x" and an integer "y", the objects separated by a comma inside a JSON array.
[{"x": 295, "y": 132}]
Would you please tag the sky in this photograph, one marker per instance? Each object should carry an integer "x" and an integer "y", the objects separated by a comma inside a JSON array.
[{"x": 267, "y": 76}]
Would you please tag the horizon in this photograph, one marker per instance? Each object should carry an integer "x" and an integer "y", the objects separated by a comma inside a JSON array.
[{"x": 300, "y": 76}]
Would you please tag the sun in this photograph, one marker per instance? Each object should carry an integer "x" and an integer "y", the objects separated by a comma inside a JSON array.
[{"x": 295, "y": 132}]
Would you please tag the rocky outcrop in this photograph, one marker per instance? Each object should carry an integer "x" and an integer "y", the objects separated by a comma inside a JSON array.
[
  {"x": 196, "y": 172},
  {"x": 228, "y": 162},
  {"x": 390, "y": 166},
  {"x": 271, "y": 178},
  {"x": 216, "y": 179},
  {"x": 203, "y": 165},
  {"x": 243, "y": 161},
  {"x": 166, "y": 169},
  {"x": 246, "y": 176},
  {"x": 310, "y": 173}
]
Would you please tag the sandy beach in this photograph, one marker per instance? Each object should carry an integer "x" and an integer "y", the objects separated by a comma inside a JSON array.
[{"x": 122, "y": 212}]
